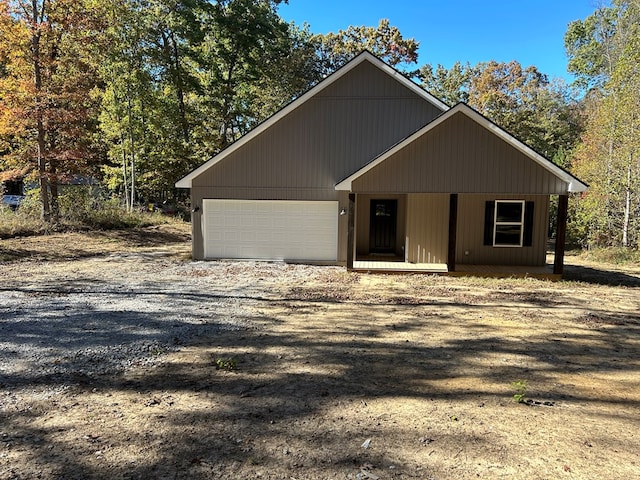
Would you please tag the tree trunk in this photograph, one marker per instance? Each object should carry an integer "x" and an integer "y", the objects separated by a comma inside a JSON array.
[
  {"x": 125, "y": 180},
  {"x": 133, "y": 153},
  {"x": 179, "y": 87},
  {"x": 627, "y": 209},
  {"x": 42, "y": 174},
  {"x": 40, "y": 130},
  {"x": 53, "y": 189}
]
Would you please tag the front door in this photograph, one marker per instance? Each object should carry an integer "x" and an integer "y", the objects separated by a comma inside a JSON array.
[{"x": 382, "y": 227}]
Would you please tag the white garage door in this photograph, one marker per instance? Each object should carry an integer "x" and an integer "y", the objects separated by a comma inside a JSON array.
[{"x": 270, "y": 229}]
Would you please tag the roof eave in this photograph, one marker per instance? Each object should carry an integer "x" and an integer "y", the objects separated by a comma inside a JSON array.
[{"x": 577, "y": 186}]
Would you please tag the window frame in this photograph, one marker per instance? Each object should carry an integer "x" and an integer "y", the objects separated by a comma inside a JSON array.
[{"x": 497, "y": 224}]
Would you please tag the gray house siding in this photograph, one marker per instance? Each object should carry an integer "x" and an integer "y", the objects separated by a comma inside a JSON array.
[
  {"x": 304, "y": 154},
  {"x": 470, "y": 248},
  {"x": 459, "y": 156},
  {"x": 427, "y": 228}
]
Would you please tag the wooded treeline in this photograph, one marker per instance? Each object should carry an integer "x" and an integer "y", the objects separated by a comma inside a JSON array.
[{"x": 139, "y": 92}]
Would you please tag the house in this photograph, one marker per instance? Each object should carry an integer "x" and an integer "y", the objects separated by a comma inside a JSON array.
[{"x": 368, "y": 170}]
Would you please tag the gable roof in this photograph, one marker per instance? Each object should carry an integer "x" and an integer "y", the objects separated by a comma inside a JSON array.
[
  {"x": 574, "y": 184},
  {"x": 260, "y": 128}
]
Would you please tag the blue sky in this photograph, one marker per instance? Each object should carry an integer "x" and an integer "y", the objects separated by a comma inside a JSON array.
[{"x": 529, "y": 31}]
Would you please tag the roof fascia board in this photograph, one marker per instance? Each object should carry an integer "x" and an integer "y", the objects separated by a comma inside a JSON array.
[
  {"x": 573, "y": 184},
  {"x": 185, "y": 182}
]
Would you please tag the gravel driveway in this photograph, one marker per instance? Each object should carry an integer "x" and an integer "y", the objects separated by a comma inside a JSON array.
[{"x": 77, "y": 323}]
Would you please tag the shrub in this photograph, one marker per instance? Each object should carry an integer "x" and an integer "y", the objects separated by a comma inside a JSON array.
[
  {"x": 24, "y": 221},
  {"x": 87, "y": 207},
  {"x": 80, "y": 208},
  {"x": 613, "y": 255}
]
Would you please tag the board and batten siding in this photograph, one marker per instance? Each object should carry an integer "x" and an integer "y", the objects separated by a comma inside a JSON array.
[
  {"x": 307, "y": 152},
  {"x": 427, "y": 234},
  {"x": 459, "y": 156},
  {"x": 470, "y": 233},
  {"x": 325, "y": 139}
]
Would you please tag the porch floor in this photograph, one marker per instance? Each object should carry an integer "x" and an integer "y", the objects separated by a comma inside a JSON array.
[
  {"x": 542, "y": 272},
  {"x": 396, "y": 266}
]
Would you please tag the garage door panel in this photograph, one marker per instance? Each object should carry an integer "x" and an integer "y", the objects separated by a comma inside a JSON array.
[{"x": 270, "y": 229}]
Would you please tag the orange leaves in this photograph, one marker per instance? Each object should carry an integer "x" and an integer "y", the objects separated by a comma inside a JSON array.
[{"x": 47, "y": 78}]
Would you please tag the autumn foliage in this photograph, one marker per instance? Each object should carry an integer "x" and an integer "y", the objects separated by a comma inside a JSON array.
[{"x": 47, "y": 91}]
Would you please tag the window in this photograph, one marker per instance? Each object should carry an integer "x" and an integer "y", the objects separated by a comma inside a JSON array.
[{"x": 508, "y": 225}]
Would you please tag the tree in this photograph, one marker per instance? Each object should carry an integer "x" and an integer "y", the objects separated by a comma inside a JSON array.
[
  {"x": 608, "y": 156},
  {"x": 385, "y": 41},
  {"x": 148, "y": 110},
  {"x": 451, "y": 86},
  {"x": 591, "y": 49},
  {"x": 47, "y": 91},
  {"x": 248, "y": 54},
  {"x": 185, "y": 78}
]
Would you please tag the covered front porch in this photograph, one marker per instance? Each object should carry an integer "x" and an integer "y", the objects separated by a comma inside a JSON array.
[{"x": 443, "y": 234}]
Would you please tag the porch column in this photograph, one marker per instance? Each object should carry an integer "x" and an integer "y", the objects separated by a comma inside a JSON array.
[
  {"x": 561, "y": 235},
  {"x": 351, "y": 230},
  {"x": 453, "y": 225}
]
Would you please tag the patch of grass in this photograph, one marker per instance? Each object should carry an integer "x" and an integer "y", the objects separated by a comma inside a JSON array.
[
  {"x": 228, "y": 364},
  {"x": 17, "y": 224},
  {"x": 613, "y": 255}
]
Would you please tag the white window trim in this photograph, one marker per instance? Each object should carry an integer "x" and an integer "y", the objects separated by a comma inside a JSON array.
[{"x": 496, "y": 223}]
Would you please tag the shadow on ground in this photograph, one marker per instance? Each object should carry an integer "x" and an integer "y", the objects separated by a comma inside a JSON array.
[
  {"x": 596, "y": 276},
  {"x": 292, "y": 370}
]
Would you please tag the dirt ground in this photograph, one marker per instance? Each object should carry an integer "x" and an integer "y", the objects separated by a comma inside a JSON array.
[{"x": 337, "y": 375}]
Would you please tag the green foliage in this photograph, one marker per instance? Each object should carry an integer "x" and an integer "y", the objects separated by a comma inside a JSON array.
[
  {"x": 81, "y": 207},
  {"x": 590, "y": 47},
  {"x": 614, "y": 256},
  {"x": 520, "y": 386},
  {"x": 224, "y": 363},
  {"x": 87, "y": 207},
  {"x": 451, "y": 86},
  {"x": 245, "y": 72},
  {"x": 24, "y": 221},
  {"x": 384, "y": 41},
  {"x": 607, "y": 159},
  {"x": 183, "y": 81}
]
